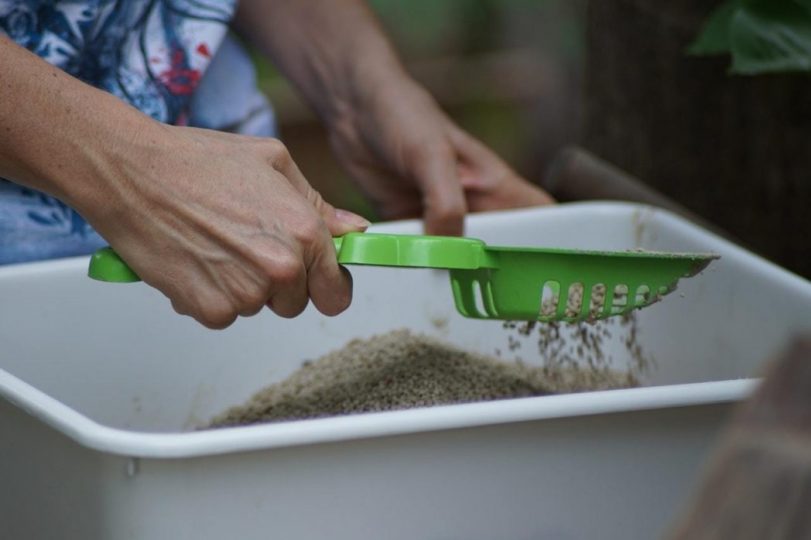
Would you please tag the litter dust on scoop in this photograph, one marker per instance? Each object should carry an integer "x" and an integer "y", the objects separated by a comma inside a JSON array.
[{"x": 401, "y": 370}]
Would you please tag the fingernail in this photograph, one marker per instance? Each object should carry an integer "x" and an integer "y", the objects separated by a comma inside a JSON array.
[{"x": 351, "y": 218}]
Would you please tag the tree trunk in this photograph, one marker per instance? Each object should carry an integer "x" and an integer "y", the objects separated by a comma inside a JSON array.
[{"x": 734, "y": 149}]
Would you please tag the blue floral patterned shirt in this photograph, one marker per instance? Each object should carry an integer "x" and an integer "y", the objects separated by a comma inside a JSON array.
[{"x": 149, "y": 53}]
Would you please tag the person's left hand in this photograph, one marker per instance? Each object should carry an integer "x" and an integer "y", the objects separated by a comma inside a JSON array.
[{"x": 412, "y": 160}]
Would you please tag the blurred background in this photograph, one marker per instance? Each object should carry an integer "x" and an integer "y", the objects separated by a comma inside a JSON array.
[{"x": 613, "y": 80}]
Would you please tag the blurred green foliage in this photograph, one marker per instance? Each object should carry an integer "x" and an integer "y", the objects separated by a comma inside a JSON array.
[{"x": 762, "y": 36}]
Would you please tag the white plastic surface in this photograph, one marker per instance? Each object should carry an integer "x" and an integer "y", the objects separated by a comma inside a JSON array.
[{"x": 103, "y": 383}]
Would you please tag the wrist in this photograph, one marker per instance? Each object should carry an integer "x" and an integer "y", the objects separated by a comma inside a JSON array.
[
  {"x": 335, "y": 53},
  {"x": 108, "y": 152},
  {"x": 88, "y": 164},
  {"x": 367, "y": 87}
]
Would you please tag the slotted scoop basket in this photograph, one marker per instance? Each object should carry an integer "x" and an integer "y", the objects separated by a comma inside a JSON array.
[{"x": 507, "y": 283}]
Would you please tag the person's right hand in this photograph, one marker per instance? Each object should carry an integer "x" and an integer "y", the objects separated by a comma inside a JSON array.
[{"x": 222, "y": 224}]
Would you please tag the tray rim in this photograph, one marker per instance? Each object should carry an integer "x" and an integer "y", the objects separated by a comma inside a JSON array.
[{"x": 173, "y": 445}]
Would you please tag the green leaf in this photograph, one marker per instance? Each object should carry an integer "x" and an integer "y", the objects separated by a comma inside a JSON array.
[
  {"x": 714, "y": 36},
  {"x": 770, "y": 36}
]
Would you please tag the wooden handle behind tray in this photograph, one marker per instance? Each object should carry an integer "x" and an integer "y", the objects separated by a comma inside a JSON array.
[{"x": 577, "y": 175}]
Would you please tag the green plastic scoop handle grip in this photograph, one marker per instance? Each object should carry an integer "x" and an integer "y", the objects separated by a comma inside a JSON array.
[
  {"x": 506, "y": 283},
  {"x": 414, "y": 251}
]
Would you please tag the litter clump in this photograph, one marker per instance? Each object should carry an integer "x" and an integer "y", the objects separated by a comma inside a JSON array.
[{"x": 401, "y": 370}]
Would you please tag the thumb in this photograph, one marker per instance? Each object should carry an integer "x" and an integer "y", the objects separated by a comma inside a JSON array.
[
  {"x": 343, "y": 221},
  {"x": 338, "y": 221}
]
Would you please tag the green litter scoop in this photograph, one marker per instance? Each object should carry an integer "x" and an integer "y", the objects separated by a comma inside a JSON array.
[{"x": 508, "y": 283}]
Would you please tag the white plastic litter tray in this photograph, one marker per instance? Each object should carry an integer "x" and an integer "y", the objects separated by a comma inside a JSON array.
[{"x": 102, "y": 384}]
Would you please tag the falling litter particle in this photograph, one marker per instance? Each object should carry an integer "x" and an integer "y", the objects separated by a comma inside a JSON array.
[
  {"x": 584, "y": 345},
  {"x": 402, "y": 370}
]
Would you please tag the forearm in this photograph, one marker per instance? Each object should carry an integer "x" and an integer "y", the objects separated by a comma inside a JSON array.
[
  {"x": 333, "y": 51},
  {"x": 387, "y": 131},
  {"x": 58, "y": 134}
]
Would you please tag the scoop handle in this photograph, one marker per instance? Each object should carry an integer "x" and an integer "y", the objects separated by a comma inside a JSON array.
[
  {"x": 106, "y": 265},
  {"x": 375, "y": 249}
]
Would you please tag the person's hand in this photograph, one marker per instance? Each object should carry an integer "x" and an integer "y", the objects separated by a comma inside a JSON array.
[
  {"x": 390, "y": 135},
  {"x": 412, "y": 160},
  {"x": 223, "y": 225}
]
